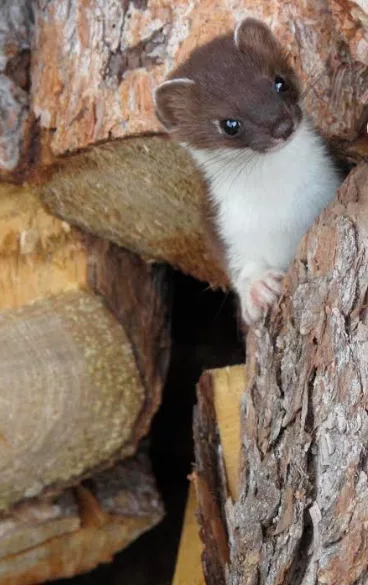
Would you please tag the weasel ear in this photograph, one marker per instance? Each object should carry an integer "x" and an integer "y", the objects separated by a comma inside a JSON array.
[
  {"x": 172, "y": 99},
  {"x": 251, "y": 33}
]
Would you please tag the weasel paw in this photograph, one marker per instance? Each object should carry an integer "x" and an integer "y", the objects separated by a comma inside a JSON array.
[{"x": 260, "y": 295}]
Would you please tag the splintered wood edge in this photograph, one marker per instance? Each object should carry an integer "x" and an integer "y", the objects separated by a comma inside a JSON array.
[
  {"x": 95, "y": 522},
  {"x": 40, "y": 255},
  {"x": 188, "y": 570},
  {"x": 228, "y": 388},
  {"x": 228, "y": 385}
]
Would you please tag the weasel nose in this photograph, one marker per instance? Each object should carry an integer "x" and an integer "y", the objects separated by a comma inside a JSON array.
[{"x": 283, "y": 129}]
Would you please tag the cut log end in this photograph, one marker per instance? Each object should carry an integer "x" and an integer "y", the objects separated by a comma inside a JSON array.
[{"x": 108, "y": 190}]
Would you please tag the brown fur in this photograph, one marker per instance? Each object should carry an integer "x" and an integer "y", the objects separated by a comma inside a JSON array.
[{"x": 231, "y": 81}]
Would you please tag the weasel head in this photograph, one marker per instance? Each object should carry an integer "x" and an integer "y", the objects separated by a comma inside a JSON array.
[{"x": 237, "y": 91}]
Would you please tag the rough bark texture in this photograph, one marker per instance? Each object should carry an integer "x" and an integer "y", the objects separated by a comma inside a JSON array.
[
  {"x": 210, "y": 485},
  {"x": 301, "y": 517},
  {"x": 120, "y": 51},
  {"x": 94, "y": 66},
  {"x": 62, "y": 535},
  {"x": 98, "y": 363},
  {"x": 16, "y": 23},
  {"x": 142, "y": 194}
]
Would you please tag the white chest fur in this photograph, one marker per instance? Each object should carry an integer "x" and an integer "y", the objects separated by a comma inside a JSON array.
[
  {"x": 264, "y": 205},
  {"x": 266, "y": 202}
]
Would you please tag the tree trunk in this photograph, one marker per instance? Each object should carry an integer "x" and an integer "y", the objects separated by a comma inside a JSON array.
[
  {"x": 301, "y": 515},
  {"x": 102, "y": 88}
]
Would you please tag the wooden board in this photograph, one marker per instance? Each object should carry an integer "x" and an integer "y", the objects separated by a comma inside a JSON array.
[
  {"x": 188, "y": 569},
  {"x": 228, "y": 388},
  {"x": 227, "y": 385}
]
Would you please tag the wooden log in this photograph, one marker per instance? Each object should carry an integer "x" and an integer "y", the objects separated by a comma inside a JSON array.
[
  {"x": 109, "y": 189},
  {"x": 84, "y": 346},
  {"x": 89, "y": 367},
  {"x": 68, "y": 361},
  {"x": 102, "y": 88},
  {"x": 142, "y": 194},
  {"x": 139, "y": 296},
  {"x": 301, "y": 515},
  {"x": 71, "y": 533}
]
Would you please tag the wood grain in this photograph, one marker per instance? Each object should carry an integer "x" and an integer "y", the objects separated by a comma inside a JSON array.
[
  {"x": 143, "y": 194},
  {"x": 188, "y": 569}
]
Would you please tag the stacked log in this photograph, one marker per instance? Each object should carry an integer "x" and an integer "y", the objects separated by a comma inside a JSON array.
[
  {"x": 93, "y": 200},
  {"x": 84, "y": 348}
]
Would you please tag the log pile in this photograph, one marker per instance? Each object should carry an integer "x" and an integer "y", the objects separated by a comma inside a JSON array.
[
  {"x": 85, "y": 340},
  {"x": 94, "y": 203}
]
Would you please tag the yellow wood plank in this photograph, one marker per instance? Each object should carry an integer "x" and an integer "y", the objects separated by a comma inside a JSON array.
[
  {"x": 229, "y": 384},
  {"x": 188, "y": 569}
]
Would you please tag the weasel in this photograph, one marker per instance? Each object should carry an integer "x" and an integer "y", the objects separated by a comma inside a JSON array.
[{"x": 236, "y": 105}]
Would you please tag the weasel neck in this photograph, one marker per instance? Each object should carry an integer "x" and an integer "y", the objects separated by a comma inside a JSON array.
[{"x": 278, "y": 171}]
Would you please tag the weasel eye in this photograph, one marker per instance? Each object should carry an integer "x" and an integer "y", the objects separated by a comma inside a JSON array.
[
  {"x": 230, "y": 127},
  {"x": 280, "y": 84}
]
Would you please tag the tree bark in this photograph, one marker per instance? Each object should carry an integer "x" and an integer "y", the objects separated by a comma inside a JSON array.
[
  {"x": 116, "y": 190},
  {"x": 93, "y": 70},
  {"x": 301, "y": 515},
  {"x": 82, "y": 76},
  {"x": 16, "y": 120},
  {"x": 121, "y": 50}
]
